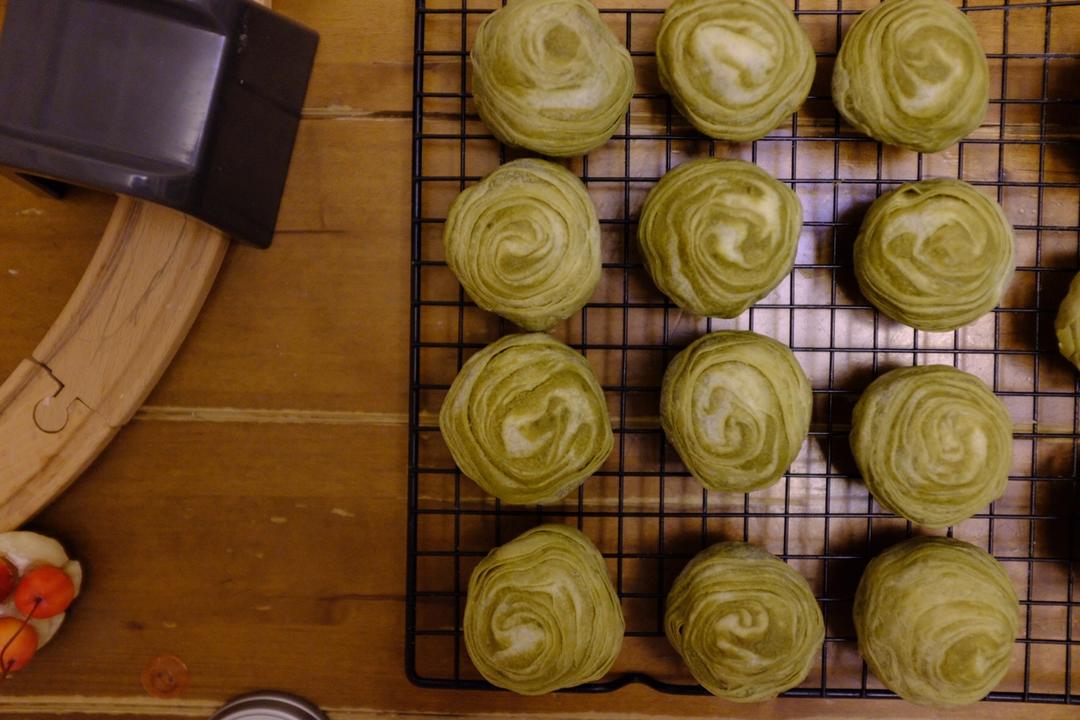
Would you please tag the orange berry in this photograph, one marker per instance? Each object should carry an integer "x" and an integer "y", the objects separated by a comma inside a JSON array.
[
  {"x": 21, "y": 649},
  {"x": 44, "y": 591}
]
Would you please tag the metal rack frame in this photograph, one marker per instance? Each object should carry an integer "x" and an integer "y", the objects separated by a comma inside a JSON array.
[{"x": 444, "y": 115}]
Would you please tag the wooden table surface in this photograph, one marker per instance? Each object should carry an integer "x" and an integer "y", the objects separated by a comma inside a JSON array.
[{"x": 252, "y": 519}]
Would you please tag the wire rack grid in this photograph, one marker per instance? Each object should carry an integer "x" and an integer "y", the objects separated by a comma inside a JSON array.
[{"x": 642, "y": 509}]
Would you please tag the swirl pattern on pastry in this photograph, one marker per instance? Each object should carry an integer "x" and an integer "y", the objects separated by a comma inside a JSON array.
[
  {"x": 936, "y": 619},
  {"x": 719, "y": 235},
  {"x": 1067, "y": 323},
  {"x": 736, "y": 406},
  {"x": 525, "y": 243},
  {"x": 934, "y": 254},
  {"x": 526, "y": 419},
  {"x": 933, "y": 443},
  {"x": 549, "y": 76},
  {"x": 912, "y": 73},
  {"x": 542, "y": 614},
  {"x": 734, "y": 69},
  {"x": 746, "y": 624}
]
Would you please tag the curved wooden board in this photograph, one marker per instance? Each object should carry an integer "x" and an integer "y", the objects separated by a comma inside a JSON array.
[
  {"x": 36, "y": 466},
  {"x": 132, "y": 309},
  {"x": 105, "y": 353}
]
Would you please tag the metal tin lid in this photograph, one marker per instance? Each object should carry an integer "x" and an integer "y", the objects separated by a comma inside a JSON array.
[{"x": 269, "y": 706}]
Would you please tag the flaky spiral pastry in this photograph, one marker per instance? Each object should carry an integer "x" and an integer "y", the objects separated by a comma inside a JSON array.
[
  {"x": 526, "y": 419},
  {"x": 933, "y": 443},
  {"x": 936, "y": 619},
  {"x": 746, "y": 624},
  {"x": 525, "y": 243},
  {"x": 912, "y": 73},
  {"x": 549, "y": 76},
  {"x": 542, "y": 614},
  {"x": 934, "y": 254},
  {"x": 719, "y": 235},
  {"x": 1067, "y": 323},
  {"x": 734, "y": 69},
  {"x": 736, "y": 406}
]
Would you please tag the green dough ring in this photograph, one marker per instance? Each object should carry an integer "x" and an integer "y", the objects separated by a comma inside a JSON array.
[
  {"x": 746, "y": 624},
  {"x": 912, "y": 73},
  {"x": 719, "y": 235},
  {"x": 734, "y": 69},
  {"x": 1067, "y": 323},
  {"x": 933, "y": 443},
  {"x": 549, "y": 76},
  {"x": 525, "y": 243},
  {"x": 935, "y": 254},
  {"x": 542, "y": 614},
  {"x": 526, "y": 419},
  {"x": 736, "y": 405},
  {"x": 936, "y": 619}
]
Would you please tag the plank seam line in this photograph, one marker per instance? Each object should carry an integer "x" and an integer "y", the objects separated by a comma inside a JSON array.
[
  {"x": 260, "y": 416},
  {"x": 167, "y": 413},
  {"x": 170, "y": 413},
  {"x": 117, "y": 706},
  {"x": 52, "y": 705},
  {"x": 344, "y": 112}
]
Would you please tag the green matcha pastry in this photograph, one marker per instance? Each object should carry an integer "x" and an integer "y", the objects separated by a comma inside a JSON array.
[
  {"x": 736, "y": 406},
  {"x": 1067, "y": 323},
  {"x": 912, "y": 73},
  {"x": 525, "y": 243},
  {"x": 936, "y": 620},
  {"x": 526, "y": 419},
  {"x": 541, "y": 613},
  {"x": 933, "y": 443},
  {"x": 549, "y": 76},
  {"x": 745, "y": 623},
  {"x": 934, "y": 254},
  {"x": 734, "y": 69},
  {"x": 719, "y": 235}
]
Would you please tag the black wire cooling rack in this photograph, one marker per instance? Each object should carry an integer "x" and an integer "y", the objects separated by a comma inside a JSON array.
[{"x": 642, "y": 509}]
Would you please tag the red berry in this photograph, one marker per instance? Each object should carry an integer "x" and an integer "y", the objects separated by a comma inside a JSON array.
[
  {"x": 21, "y": 648},
  {"x": 9, "y": 576},
  {"x": 44, "y": 591}
]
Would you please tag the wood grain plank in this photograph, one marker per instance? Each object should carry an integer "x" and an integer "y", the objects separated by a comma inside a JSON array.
[
  {"x": 133, "y": 308},
  {"x": 290, "y": 327},
  {"x": 105, "y": 352},
  {"x": 636, "y": 710},
  {"x": 36, "y": 466},
  {"x": 320, "y": 320},
  {"x": 45, "y": 247},
  {"x": 364, "y": 65},
  {"x": 272, "y": 556},
  {"x": 247, "y": 550},
  {"x": 810, "y": 710}
]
